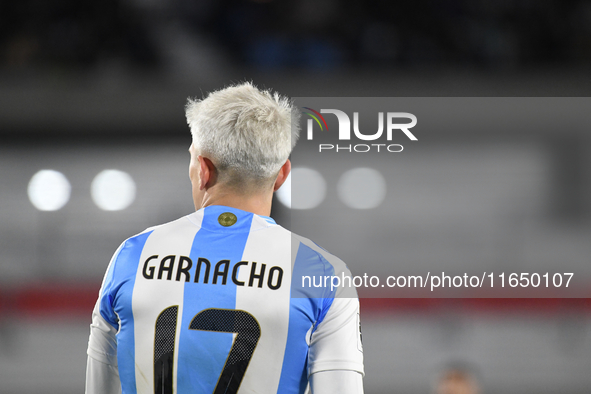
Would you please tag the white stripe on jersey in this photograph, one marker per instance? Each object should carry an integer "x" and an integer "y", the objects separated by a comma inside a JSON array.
[
  {"x": 273, "y": 313},
  {"x": 151, "y": 297}
]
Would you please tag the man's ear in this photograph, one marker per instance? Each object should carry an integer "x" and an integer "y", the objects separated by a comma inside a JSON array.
[
  {"x": 207, "y": 173},
  {"x": 282, "y": 176}
]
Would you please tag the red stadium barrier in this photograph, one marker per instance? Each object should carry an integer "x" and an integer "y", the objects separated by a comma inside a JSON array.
[
  {"x": 58, "y": 300},
  {"x": 76, "y": 300},
  {"x": 544, "y": 306}
]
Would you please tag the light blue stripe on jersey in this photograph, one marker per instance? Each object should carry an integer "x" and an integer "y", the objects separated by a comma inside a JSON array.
[
  {"x": 308, "y": 307},
  {"x": 200, "y": 360},
  {"x": 123, "y": 269}
]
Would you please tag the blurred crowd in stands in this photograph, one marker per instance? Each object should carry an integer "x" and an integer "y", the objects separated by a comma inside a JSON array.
[{"x": 306, "y": 34}]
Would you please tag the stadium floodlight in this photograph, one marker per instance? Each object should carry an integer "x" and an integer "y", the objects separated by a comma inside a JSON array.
[
  {"x": 362, "y": 188},
  {"x": 49, "y": 190},
  {"x": 113, "y": 190}
]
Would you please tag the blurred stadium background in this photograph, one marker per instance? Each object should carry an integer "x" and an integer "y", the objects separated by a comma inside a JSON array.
[{"x": 87, "y": 87}]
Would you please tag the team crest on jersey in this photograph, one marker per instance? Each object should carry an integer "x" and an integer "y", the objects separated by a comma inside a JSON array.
[{"x": 227, "y": 219}]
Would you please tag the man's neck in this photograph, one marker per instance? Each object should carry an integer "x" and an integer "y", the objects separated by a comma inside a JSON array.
[{"x": 259, "y": 204}]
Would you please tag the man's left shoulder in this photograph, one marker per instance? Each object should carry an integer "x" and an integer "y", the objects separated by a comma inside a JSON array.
[{"x": 321, "y": 251}]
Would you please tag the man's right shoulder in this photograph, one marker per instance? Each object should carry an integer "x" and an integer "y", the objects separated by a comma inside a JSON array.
[
  {"x": 165, "y": 229},
  {"x": 175, "y": 225}
]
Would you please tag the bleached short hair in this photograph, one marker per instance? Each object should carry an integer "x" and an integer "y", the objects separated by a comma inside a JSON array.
[{"x": 246, "y": 132}]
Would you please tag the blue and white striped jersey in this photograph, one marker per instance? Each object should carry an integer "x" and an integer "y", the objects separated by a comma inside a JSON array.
[{"x": 214, "y": 303}]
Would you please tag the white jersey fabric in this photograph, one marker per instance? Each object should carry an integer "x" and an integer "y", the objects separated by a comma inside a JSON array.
[{"x": 215, "y": 302}]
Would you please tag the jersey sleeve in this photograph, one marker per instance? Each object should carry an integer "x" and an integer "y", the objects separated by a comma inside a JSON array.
[
  {"x": 336, "y": 343},
  {"x": 105, "y": 307},
  {"x": 101, "y": 378},
  {"x": 342, "y": 382},
  {"x": 102, "y": 375},
  {"x": 102, "y": 342}
]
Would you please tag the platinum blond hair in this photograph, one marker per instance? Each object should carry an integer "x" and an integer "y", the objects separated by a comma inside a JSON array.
[{"x": 245, "y": 131}]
